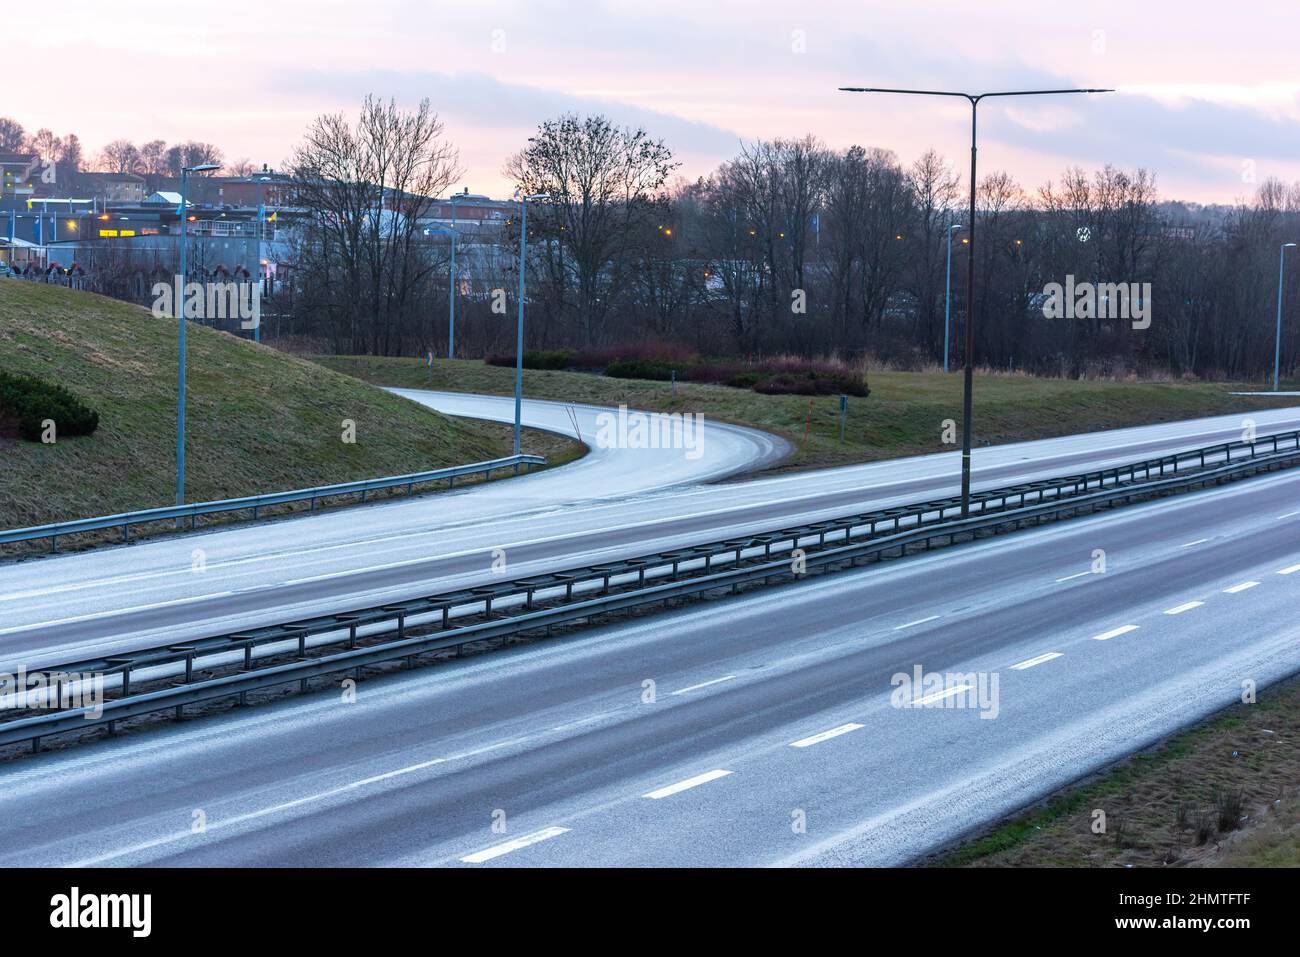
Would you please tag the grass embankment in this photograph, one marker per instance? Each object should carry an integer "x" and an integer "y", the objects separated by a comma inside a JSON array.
[
  {"x": 1221, "y": 794},
  {"x": 903, "y": 415},
  {"x": 257, "y": 420}
]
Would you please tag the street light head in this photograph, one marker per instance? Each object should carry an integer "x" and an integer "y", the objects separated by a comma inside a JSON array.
[
  {"x": 202, "y": 168},
  {"x": 1288, "y": 245},
  {"x": 956, "y": 226}
]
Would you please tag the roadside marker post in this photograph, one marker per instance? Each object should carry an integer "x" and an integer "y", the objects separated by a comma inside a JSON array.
[{"x": 844, "y": 414}]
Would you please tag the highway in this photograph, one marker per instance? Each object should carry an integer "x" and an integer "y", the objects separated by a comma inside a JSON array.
[
  {"x": 170, "y": 589},
  {"x": 769, "y": 710}
]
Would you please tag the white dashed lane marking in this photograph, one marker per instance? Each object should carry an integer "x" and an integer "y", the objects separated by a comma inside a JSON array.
[
  {"x": 1236, "y": 589},
  {"x": 478, "y": 857},
  {"x": 704, "y": 684},
  {"x": 671, "y": 789},
  {"x": 824, "y": 736},
  {"x": 940, "y": 695},
  {"x": 1290, "y": 570},
  {"x": 1072, "y": 577},
  {"x": 919, "y": 621},
  {"x": 1115, "y": 632},
  {"x": 1185, "y": 606},
  {"x": 1199, "y": 541},
  {"x": 1030, "y": 662}
]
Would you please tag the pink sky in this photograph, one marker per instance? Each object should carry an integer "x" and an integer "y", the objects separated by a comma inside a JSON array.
[{"x": 1209, "y": 96}]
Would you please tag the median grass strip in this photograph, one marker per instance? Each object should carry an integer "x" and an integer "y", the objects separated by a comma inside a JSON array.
[
  {"x": 904, "y": 415},
  {"x": 258, "y": 420},
  {"x": 1223, "y": 793}
]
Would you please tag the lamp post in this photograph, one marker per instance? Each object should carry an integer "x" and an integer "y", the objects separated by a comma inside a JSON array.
[
  {"x": 519, "y": 332},
  {"x": 180, "y": 376},
  {"x": 451, "y": 293},
  {"x": 1277, "y": 342},
  {"x": 968, "y": 363},
  {"x": 947, "y": 296},
  {"x": 451, "y": 290}
]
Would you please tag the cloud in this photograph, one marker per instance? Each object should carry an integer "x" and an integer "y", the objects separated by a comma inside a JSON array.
[{"x": 487, "y": 103}]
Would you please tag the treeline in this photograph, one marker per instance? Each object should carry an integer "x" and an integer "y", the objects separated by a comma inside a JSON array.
[
  {"x": 794, "y": 248},
  {"x": 789, "y": 248},
  {"x": 156, "y": 158}
]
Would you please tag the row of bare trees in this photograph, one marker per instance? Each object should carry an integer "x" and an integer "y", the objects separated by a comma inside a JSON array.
[
  {"x": 793, "y": 247},
  {"x": 155, "y": 158}
]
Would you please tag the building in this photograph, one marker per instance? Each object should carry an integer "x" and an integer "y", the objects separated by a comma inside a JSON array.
[{"x": 110, "y": 188}]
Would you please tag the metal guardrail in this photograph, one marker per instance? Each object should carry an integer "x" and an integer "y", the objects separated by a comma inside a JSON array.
[
  {"x": 761, "y": 568},
  {"x": 256, "y": 503}
]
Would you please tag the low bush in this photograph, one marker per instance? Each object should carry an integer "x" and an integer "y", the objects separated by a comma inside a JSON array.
[
  {"x": 30, "y": 401},
  {"x": 657, "y": 369},
  {"x": 812, "y": 383},
  {"x": 536, "y": 359}
]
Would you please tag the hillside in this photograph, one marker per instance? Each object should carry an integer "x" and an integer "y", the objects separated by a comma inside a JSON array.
[{"x": 257, "y": 419}]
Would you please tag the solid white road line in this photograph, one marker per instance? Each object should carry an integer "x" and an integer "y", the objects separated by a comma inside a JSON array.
[
  {"x": 686, "y": 785},
  {"x": 919, "y": 621},
  {"x": 825, "y": 736},
  {"x": 478, "y": 857},
  {"x": 1186, "y": 606},
  {"x": 940, "y": 695},
  {"x": 1115, "y": 632},
  {"x": 1030, "y": 662},
  {"x": 704, "y": 684},
  {"x": 1235, "y": 589},
  {"x": 1288, "y": 515},
  {"x": 1199, "y": 541},
  {"x": 109, "y": 614},
  {"x": 1290, "y": 570}
]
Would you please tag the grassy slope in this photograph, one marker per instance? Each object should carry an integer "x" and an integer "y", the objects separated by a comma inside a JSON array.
[
  {"x": 258, "y": 420},
  {"x": 902, "y": 416}
]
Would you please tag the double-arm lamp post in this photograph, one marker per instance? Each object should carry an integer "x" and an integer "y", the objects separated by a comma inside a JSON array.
[{"x": 968, "y": 365}]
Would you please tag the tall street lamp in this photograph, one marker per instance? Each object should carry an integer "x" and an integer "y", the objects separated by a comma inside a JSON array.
[
  {"x": 519, "y": 333},
  {"x": 1277, "y": 343},
  {"x": 451, "y": 295},
  {"x": 974, "y": 99},
  {"x": 180, "y": 378},
  {"x": 947, "y": 296}
]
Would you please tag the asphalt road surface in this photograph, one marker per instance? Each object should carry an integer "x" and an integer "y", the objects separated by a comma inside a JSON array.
[{"x": 754, "y": 730}]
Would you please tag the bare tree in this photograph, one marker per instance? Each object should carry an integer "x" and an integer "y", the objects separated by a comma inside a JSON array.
[
  {"x": 367, "y": 186},
  {"x": 153, "y": 158},
  {"x": 602, "y": 181},
  {"x": 120, "y": 156},
  {"x": 12, "y": 135}
]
